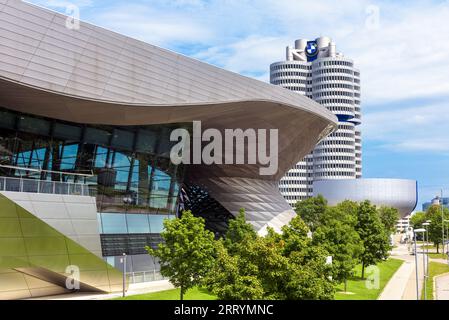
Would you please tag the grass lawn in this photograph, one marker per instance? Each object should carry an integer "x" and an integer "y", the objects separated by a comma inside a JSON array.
[
  {"x": 357, "y": 285},
  {"x": 435, "y": 269},
  {"x": 173, "y": 294},
  {"x": 437, "y": 255}
]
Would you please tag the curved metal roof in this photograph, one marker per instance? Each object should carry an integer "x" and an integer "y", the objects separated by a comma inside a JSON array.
[{"x": 92, "y": 75}]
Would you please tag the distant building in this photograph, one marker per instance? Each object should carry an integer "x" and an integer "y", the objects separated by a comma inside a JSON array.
[
  {"x": 436, "y": 201},
  {"x": 396, "y": 193},
  {"x": 316, "y": 70},
  {"x": 403, "y": 224}
]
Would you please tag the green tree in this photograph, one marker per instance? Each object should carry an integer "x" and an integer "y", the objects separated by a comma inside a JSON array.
[
  {"x": 350, "y": 208},
  {"x": 339, "y": 237},
  {"x": 308, "y": 276},
  {"x": 435, "y": 228},
  {"x": 187, "y": 251},
  {"x": 277, "y": 266},
  {"x": 389, "y": 217},
  {"x": 376, "y": 243},
  {"x": 417, "y": 219},
  {"x": 229, "y": 281},
  {"x": 310, "y": 210},
  {"x": 239, "y": 231}
]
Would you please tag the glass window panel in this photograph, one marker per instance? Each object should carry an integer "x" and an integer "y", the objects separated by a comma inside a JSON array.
[
  {"x": 23, "y": 158},
  {"x": 158, "y": 199},
  {"x": 100, "y": 158},
  {"x": 121, "y": 161},
  {"x": 122, "y": 165},
  {"x": 135, "y": 176},
  {"x": 123, "y": 139},
  {"x": 7, "y": 120},
  {"x": 138, "y": 223},
  {"x": 113, "y": 223},
  {"x": 68, "y": 158},
  {"x": 156, "y": 223},
  {"x": 66, "y": 131},
  {"x": 161, "y": 181},
  {"x": 34, "y": 125},
  {"x": 97, "y": 136},
  {"x": 100, "y": 226},
  {"x": 146, "y": 141}
]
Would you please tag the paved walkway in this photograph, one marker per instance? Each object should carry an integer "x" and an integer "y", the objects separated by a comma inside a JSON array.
[
  {"x": 442, "y": 287},
  {"x": 402, "y": 285},
  {"x": 137, "y": 288}
]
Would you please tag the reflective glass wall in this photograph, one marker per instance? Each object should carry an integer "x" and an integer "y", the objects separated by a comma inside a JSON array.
[{"x": 127, "y": 169}]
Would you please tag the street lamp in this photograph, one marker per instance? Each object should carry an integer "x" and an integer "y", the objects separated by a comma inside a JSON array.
[
  {"x": 442, "y": 218},
  {"x": 415, "y": 231},
  {"x": 426, "y": 224},
  {"x": 123, "y": 260},
  {"x": 447, "y": 233}
]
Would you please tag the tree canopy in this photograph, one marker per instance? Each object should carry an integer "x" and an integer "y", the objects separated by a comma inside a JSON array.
[
  {"x": 339, "y": 237},
  {"x": 372, "y": 232},
  {"x": 389, "y": 217},
  {"x": 291, "y": 264},
  {"x": 187, "y": 251},
  {"x": 310, "y": 210}
]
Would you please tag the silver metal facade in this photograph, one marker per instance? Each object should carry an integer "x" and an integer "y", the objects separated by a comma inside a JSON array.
[
  {"x": 92, "y": 75},
  {"x": 397, "y": 193}
]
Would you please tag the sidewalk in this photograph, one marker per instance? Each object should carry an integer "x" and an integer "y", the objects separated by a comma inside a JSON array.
[
  {"x": 137, "y": 288},
  {"x": 402, "y": 286},
  {"x": 442, "y": 287}
]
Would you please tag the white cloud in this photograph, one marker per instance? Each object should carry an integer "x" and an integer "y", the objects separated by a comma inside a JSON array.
[
  {"x": 146, "y": 23},
  {"x": 62, "y": 3},
  {"x": 404, "y": 56},
  {"x": 422, "y": 128}
]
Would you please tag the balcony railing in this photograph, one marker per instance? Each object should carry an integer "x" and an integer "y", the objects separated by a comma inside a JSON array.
[
  {"x": 43, "y": 186},
  {"x": 145, "y": 276}
]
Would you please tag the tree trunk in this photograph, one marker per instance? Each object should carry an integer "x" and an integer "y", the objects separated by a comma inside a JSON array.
[
  {"x": 438, "y": 247},
  {"x": 182, "y": 293},
  {"x": 346, "y": 285},
  {"x": 363, "y": 270}
]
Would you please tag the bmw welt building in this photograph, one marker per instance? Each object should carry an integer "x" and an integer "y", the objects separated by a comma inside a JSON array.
[{"x": 86, "y": 117}]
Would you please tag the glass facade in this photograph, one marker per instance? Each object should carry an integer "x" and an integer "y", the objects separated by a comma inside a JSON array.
[
  {"x": 119, "y": 223},
  {"x": 127, "y": 169}
]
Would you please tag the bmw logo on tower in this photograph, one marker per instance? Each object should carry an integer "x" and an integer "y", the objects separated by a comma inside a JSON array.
[{"x": 311, "y": 50}]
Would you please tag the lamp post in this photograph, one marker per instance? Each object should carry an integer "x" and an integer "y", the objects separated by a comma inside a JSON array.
[
  {"x": 123, "y": 260},
  {"x": 426, "y": 224},
  {"x": 442, "y": 218},
  {"x": 447, "y": 233},
  {"x": 415, "y": 231}
]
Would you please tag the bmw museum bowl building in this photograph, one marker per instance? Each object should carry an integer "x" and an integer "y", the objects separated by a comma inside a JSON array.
[{"x": 86, "y": 116}]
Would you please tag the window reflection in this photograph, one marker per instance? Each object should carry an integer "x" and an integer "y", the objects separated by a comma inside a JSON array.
[
  {"x": 138, "y": 223},
  {"x": 113, "y": 223},
  {"x": 120, "y": 223},
  {"x": 130, "y": 166}
]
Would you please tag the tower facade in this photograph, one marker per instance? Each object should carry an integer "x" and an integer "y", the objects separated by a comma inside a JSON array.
[{"x": 315, "y": 69}]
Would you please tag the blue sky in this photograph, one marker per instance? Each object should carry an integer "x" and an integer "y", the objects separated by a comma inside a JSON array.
[{"x": 401, "y": 48}]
